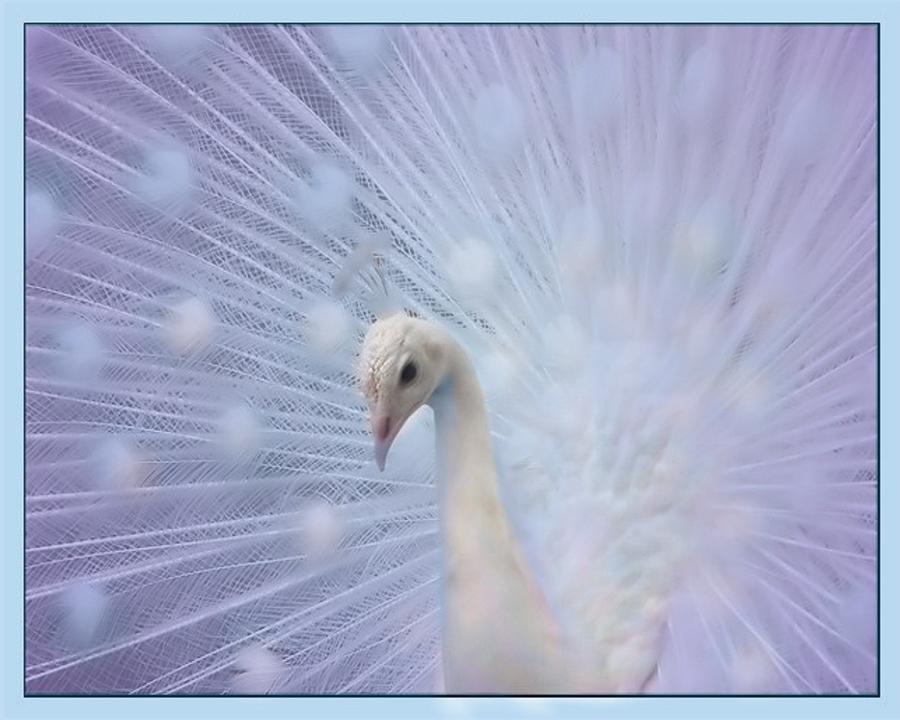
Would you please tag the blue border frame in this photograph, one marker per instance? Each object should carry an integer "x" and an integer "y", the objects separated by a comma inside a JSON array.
[{"x": 15, "y": 13}]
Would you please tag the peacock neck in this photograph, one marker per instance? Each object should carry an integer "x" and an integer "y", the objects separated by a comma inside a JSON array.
[
  {"x": 466, "y": 471},
  {"x": 496, "y": 630}
]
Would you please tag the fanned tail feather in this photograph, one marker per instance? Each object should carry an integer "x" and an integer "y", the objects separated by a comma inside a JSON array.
[{"x": 658, "y": 245}]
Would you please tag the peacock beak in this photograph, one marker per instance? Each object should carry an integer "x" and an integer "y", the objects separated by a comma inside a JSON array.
[{"x": 384, "y": 430}]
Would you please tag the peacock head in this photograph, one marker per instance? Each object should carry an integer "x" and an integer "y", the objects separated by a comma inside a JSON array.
[{"x": 402, "y": 362}]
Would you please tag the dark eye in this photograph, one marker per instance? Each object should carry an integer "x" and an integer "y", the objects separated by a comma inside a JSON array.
[{"x": 408, "y": 373}]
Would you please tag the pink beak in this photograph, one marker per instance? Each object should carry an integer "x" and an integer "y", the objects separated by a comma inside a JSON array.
[{"x": 384, "y": 431}]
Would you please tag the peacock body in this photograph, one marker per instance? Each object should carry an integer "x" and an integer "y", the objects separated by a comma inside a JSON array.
[{"x": 656, "y": 246}]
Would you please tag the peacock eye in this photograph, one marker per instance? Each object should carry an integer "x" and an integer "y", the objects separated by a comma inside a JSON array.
[{"x": 408, "y": 373}]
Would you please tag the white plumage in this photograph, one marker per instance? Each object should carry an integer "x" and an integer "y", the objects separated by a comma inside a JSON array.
[{"x": 643, "y": 261}]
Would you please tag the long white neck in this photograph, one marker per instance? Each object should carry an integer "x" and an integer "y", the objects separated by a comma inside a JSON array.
[
  {"x": 495, "y": 622},
  {"x": 467, "y": 475}
]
